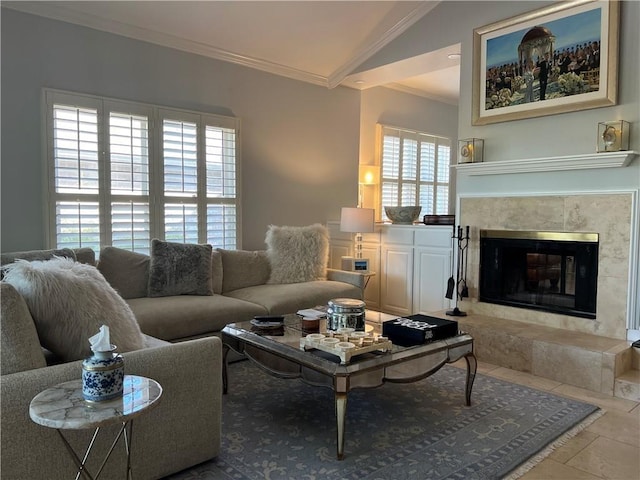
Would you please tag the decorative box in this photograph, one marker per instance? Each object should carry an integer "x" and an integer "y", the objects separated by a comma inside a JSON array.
[{"x": 418, "y": 329}]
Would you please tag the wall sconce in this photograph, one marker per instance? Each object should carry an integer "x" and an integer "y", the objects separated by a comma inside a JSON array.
[
  {"x": 368, "y": 176},
  {"x": 613, "y": 136},
  {"x": 470, "y": 150}
]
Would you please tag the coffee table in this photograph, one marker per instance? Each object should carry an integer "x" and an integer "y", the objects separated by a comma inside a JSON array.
[{"x": 279, "y": 353}]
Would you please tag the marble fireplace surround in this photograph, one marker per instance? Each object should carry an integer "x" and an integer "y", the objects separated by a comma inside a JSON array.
[{"x": 608, "y": 214}]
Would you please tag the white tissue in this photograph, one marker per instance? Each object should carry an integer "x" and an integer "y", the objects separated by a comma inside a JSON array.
[{"x": 101, "y": 342}]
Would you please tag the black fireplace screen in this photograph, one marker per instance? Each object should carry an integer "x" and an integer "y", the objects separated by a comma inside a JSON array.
[{"x": 550, "y": 271}]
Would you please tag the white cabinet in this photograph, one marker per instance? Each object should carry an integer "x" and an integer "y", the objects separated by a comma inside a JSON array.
[
  {"x": 396, "y": 270},
  {"x": 412, "y": 265},
  {"x": 432, "y": 268}
]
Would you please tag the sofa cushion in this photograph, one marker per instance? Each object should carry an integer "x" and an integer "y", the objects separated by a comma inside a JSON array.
[
  {"x": 243, "y": 268},
  {"x": 181, "y": 316},
  {"x": 289, "y": 298},
  {"x": 69, "y": 301},
  {"x": 297, "y": 254},
  {"x": 126, "y": 271},
  {"x": 179, "y": 269},
  {"x": 31, "y": 255},
  {"x": 216, "y": 271},
  {"x": 20, "y": 346}
]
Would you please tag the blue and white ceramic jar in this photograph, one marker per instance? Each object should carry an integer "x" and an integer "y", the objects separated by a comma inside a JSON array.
[{"x": 102, "y": 376}]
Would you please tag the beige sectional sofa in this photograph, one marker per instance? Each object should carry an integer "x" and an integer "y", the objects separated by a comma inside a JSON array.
[
  {"x": 184, "y": 429},
  {"x": 240, "y": 291}
]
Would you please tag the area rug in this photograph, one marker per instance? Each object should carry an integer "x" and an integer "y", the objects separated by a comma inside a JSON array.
[{"x": 285, "y": 429}]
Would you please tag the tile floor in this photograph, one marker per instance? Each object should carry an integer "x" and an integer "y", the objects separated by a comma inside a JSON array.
[{"x": 607, "y": 449}]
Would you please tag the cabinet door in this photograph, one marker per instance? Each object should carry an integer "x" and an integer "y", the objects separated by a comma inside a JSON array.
[
  {"x": 432, "y": 271},
  {"x": 396, "y": 279}
]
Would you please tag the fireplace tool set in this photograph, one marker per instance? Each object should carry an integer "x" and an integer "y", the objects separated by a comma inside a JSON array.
[{"x": 459, "y": 285}]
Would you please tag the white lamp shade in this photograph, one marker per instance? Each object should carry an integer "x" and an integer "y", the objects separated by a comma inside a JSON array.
[{"x": 357, "y": 220}]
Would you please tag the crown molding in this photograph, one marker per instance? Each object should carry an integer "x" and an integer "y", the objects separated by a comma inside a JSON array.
[
  {"x": 64, "y": 14},
  {"x": 369, "y": 50},
  {"x": 549, "y": 164}
]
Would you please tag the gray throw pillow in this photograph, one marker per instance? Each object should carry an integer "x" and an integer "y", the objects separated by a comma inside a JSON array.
[
  {"x": 297, "y": 254},
  {"x": 179, "y": 269}
]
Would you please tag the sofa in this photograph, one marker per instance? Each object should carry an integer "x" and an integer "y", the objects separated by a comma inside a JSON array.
[
  {"x": 240, "y": 291},
  {"x": 184, "y": 429}
]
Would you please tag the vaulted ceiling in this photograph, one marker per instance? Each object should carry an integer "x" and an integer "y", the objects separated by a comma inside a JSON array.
[{"x": 321, "y": 42}]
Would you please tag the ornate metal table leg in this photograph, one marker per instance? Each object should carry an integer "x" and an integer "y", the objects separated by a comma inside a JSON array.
[
  {"x": 472, "y": 366},
  {"x": 341, "y": 414}
]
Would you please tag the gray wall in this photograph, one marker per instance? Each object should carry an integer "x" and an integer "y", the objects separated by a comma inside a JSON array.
[
  {"x": 299, "y": 142},
  {"x": 555, "y": 135}
]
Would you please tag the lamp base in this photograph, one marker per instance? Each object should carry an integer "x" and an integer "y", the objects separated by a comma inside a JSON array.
[{"x": 456, "y": 312}]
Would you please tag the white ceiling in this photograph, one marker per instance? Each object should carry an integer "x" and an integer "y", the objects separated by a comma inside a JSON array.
[{"x": 320, "y": 42}]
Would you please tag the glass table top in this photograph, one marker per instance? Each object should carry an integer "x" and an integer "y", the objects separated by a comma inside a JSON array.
[{"x": 285, "y": 341}]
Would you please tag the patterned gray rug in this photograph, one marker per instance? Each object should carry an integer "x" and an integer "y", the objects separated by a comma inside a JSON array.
[{"x": 284, "y": 429}]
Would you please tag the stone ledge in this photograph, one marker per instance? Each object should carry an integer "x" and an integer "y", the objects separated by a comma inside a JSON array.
[{"x": 575, "y": 358}]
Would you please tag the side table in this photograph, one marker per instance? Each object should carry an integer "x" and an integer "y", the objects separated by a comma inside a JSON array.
[{"x": 63, "y": 407}]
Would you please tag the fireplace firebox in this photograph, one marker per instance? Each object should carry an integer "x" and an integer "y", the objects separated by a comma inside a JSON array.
[{"x": 551, "y": 271}]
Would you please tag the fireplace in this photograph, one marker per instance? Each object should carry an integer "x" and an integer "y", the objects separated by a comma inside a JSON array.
[{"x": 549, "y": 271}]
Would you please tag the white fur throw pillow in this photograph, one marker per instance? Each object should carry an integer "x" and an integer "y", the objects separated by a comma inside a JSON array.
[
  {"x": 69, "y": 301},
  {"x": 297, "y": 254}
]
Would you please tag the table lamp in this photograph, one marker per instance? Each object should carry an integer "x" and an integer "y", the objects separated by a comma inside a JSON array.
[{"x": 356, "y": 220}]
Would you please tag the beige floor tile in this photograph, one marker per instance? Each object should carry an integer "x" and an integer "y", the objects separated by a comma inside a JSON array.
[
  {"x": 574, "y": 446},
  {"x": 524, "y": 378},
  {"x": 620, "y": 426},
  {"x": 608, "y": 459},
  {"x": 604, "y": 401},
  {"x": 551, "y": 470}
]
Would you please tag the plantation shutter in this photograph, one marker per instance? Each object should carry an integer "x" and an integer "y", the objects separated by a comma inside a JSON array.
[
  {"x": 415, "y": 170},
  {"x": 120, "y": 173},
  {"x": 129, "y": 174},
  {"x": 76, "y": 175}
]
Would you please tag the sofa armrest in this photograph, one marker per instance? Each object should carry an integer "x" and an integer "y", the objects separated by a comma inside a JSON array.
[
  {"x": 354, "y": 278},
  {"x": 186, "y": 421}
]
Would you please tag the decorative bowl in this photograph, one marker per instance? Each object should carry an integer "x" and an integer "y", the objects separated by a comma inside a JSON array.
[{"x": 403, "y": 215}]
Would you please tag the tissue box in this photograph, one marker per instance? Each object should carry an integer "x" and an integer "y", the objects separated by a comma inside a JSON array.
[
  {"x": 102, "y": 377},
  {"x": 418, "y": 329}
]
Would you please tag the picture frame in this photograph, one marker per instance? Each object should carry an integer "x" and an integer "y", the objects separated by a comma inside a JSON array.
[{"x": 558, "y": 59}]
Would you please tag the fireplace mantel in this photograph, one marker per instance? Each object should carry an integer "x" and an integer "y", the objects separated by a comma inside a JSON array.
[{"x": 548, "y": 164}]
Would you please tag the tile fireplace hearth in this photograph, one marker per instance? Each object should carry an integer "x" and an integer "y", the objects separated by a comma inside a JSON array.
[
  {"x": 608, "y": 215},
  {"x": 579, "y": 359}
]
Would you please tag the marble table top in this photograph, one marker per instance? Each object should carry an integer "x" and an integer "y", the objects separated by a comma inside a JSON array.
[{"x": 62, "y": 406}]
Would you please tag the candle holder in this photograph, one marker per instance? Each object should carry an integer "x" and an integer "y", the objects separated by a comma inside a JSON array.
[
  {"x": 470, "y": 150},
  {"x": 613, "y": 136}
]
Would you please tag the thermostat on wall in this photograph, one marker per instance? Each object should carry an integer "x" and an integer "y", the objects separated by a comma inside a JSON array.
[{"x": 352, "y": 264}]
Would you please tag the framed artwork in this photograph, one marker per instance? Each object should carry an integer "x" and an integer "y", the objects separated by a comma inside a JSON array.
[{"x": 558, "y": 59}]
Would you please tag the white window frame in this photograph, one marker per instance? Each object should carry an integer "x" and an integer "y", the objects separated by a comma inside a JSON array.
[
  {"x": 402, "y": 133},
  {"x": 156, "y": 197}
]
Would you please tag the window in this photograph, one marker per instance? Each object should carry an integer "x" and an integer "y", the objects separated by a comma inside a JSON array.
[
  {"x": 122, "y": 173},
  {"x": 414, "y": 170}
]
